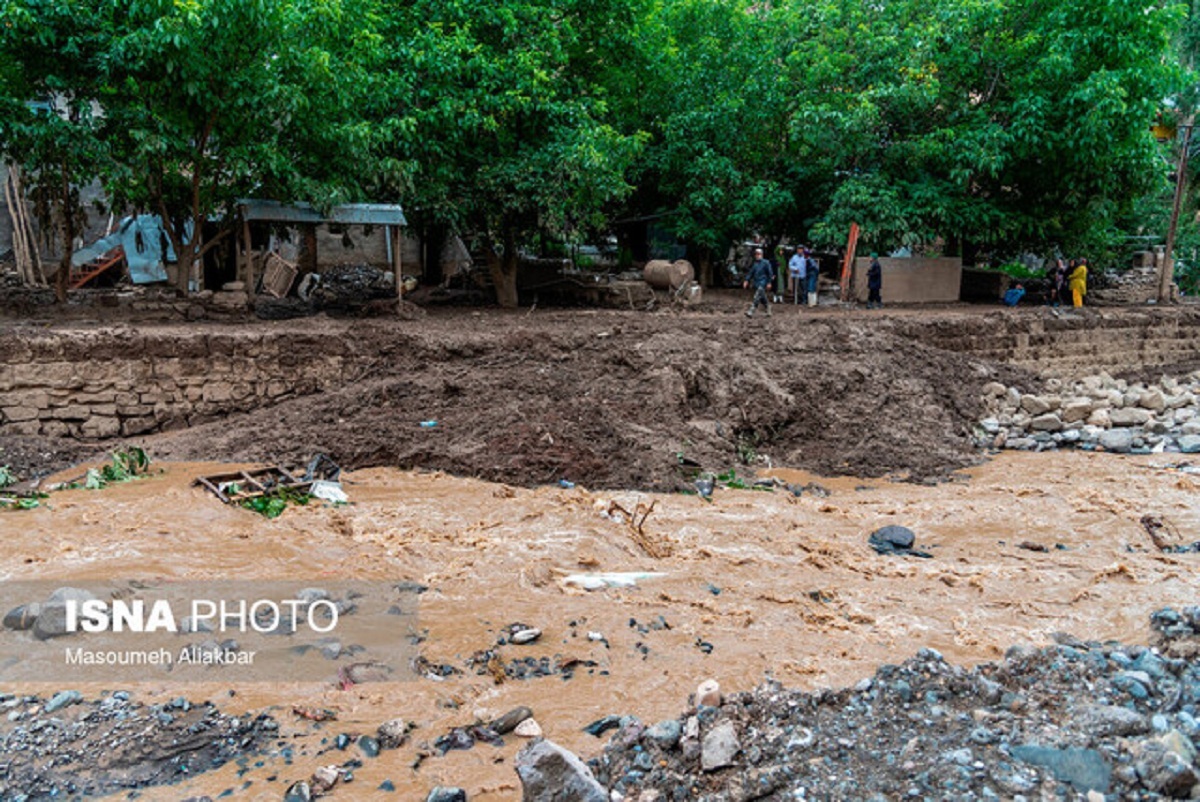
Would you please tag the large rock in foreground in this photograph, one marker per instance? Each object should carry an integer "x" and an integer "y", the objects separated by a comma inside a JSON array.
[{"x": 550, "y": 773}]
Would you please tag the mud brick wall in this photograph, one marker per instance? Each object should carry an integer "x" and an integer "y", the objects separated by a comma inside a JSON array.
[
  {"x": 111, "y": 384},
  {"x": 1135, "y": 286},
  {"x": 1070, "y": 344}
]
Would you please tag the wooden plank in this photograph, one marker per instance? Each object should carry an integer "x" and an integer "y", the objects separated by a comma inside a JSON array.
[{"x": 848, "y": 264}]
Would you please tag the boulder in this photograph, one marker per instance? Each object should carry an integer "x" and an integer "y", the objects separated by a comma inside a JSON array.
[
  {"x": 1117, "y": 440},
  {"x": 1085, "y": 769},
  {"x": 1162, "y": 770},
  {"x": 993, "y": 390},
  {"x": 509, "y": 721},
  {"x": 549, "y": 773},
  {"x": 1101, "y": 418},
  {"x": 51, "y": 621},
  {"x": 1076, "y": 410},
  {"x": 1189, "y": 444},
  {"x": 529, "y": 728},
  {"x": 1034, "y": 405},
  {"x": 1103, "y": 720},
  {"x": 1129, "y": 416},
  {"x": 1180, "y": 401},
  {"x": 22, "y": 617},
  {"x": 1153, "y": 400},
  {"x": 719, "y": 747},
  {"x": 1049, "y": 422}
]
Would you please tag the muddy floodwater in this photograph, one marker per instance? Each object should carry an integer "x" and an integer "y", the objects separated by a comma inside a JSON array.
[{"x": 754, "y": 584}]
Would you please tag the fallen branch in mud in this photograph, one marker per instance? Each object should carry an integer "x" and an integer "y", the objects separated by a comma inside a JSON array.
[
  {"x": 1162, "y": 533},
  {"x": 657, "y": 549}
]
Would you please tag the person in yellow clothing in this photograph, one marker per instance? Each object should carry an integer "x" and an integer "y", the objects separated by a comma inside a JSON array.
[{"x": 1078, "y": 283}]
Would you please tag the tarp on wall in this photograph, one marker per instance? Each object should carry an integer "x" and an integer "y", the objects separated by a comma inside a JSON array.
[{"x": 147, "y": 248}]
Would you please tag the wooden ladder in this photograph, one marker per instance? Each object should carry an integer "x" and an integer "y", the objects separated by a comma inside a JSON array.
[{"x": 94, "y": 268}]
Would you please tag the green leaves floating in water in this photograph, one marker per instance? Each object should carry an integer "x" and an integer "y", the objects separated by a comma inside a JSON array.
[
  {"x": 274, "y": 503},
  {"x": 126, "y": 465}
]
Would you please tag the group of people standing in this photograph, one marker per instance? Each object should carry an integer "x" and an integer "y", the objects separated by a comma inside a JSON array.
[
  {"x": 803, "y": 271},
  {"x": 1067, "y": 282}
]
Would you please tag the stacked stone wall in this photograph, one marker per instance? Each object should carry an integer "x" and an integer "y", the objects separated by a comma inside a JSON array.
[{"x": 93, "y": 387}]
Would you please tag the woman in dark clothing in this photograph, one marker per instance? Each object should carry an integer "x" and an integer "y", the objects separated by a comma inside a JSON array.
[
  {"x": 1057, "y": 279},
  {"x": 874, "y": 283}
]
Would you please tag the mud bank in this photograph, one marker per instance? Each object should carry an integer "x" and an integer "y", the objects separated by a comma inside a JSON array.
[
  {"x": 603, "y": 397},
  {"x": 611, "y": 399}
]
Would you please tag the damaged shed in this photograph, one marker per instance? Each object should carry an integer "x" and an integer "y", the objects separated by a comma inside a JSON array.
[{"x": 307, "y": 219}]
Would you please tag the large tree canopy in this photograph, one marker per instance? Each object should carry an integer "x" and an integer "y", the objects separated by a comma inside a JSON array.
[
  {"x": 501, "y": 109},
  {"x": 1006, "y": 123}
]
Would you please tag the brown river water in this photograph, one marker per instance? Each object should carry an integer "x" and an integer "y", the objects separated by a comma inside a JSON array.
[{"x": 802, "y": 598}]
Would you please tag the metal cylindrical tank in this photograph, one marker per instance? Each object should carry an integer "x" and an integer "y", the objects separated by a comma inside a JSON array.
[{"x": 664, "y": 275}]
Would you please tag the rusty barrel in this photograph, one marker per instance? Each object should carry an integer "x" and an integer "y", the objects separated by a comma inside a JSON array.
[{"x": 664, "y": 275}]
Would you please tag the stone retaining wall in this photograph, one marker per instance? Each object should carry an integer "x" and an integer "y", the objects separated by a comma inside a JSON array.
[
  {"x": 106, "y": 384},
  {"x": 1068, "y": 343},
  {"x": 1095, "y": 412}
]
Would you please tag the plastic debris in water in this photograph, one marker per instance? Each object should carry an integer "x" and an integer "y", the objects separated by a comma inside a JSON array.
[
  {"x": 617, "y": 580},
  {"x": 328, "y": 491}
]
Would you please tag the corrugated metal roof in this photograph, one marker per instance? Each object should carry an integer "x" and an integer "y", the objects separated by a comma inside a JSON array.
[{"x": 350, "y": 214}]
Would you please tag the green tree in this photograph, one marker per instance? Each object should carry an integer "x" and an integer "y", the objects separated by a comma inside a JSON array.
[
  {"x": 500, "y": 113},
  {"x": 49, "y": 83},
  {"x": 208, "y": 101}
]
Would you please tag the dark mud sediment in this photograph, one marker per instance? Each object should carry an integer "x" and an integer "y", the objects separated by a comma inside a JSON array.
[
  {"x": 1075, "y": 720},
  {"x": 64, "y": 746}
]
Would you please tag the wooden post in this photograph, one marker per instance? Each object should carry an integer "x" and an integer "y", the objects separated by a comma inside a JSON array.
[
  {"x": 249, "y": 254},
  {"x": 848, "y": 265},
  {"x": 397, "y": 238}
]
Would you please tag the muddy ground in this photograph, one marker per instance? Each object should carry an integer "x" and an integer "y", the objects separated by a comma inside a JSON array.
[{"x": 609, "y": 399}]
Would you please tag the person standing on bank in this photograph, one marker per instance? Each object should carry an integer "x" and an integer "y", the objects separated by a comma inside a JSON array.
[
  {"x": 797, "y": 274},
  {"x": 875, "y": 283},
  {"x": 1078, "y": 283},
  {"x": 761, "y": 277},
  {"x": 814, "y": 275}
]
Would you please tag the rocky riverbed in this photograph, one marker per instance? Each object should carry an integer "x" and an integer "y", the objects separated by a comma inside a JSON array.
[
  {"x": 1096, "y": 412},
  {"x": 1074, "y": 720},
  {"x": 66, "y": 746}
]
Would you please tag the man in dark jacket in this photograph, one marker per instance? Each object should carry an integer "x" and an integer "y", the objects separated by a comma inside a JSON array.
[
  {"x": 874, "y": 283},
  {"x": 761, "y": 277}
]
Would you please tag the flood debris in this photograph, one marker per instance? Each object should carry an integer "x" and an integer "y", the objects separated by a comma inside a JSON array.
[
  {"x": 1166, "y": 536},
  {"x": 315, "y": 713},
  {"x": 270, "y": 490},
  {"x": 609, "y": 580},
  {"x": 234, "y": 487}
]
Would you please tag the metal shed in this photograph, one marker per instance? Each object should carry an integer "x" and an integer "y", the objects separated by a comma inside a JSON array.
[{"x": 307, "y": 217}]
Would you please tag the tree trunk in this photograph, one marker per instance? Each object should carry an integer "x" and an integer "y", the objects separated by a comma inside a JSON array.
[
  {"x": 503, "y": 267},
  {"x": 706, "y": 270},
  {"x": 1166, "y": 271},
  {"x": 183, "y": 263}
]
